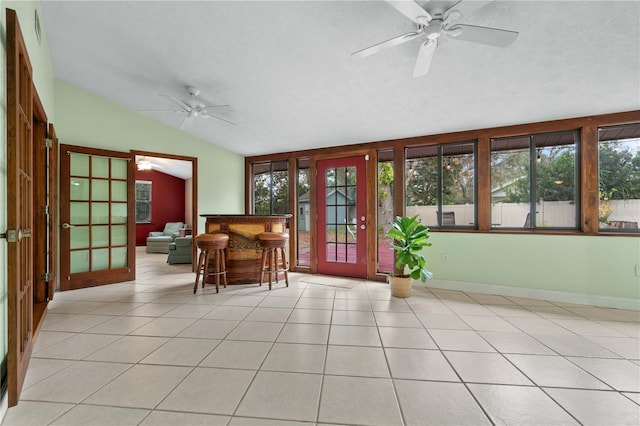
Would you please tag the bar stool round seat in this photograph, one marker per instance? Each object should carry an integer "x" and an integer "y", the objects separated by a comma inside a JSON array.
[
  {"x": 212, "y": 248},
  {"x": 274, "y": 258}
]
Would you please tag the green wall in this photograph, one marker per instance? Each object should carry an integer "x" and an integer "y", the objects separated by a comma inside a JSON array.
[
  {"x": 593, "y": 266},
  {"x": 85, "y": 119}
]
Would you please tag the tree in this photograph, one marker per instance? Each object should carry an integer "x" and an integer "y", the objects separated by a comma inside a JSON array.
[{"x": 619, "y": 171}]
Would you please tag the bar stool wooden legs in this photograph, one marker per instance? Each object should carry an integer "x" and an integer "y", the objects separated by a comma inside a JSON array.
[
  {"x": 212, "y": 247},
  {"x": 274, "y": 259}
]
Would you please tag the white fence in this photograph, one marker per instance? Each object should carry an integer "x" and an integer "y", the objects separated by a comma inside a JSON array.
[{"x": 514, "y": 215}]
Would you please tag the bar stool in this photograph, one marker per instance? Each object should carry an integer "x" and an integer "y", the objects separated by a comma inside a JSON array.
[
  {"x": 212, "y": 247},
  {"x": 273, "y": 243}
]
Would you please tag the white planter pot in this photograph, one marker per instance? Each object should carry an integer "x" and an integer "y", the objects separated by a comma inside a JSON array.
[{"x": 400, "y": 286}]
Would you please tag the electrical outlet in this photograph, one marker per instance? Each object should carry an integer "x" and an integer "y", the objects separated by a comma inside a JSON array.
[{"x": 445, "y": 259}]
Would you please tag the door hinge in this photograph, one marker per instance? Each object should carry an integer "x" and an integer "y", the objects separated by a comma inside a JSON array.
[
  {"x": 46, "y": 277},
  {"x": 10, "y": 235},
  {"x": 45, "y": 209},
  {"x": 47, "y": 143}
]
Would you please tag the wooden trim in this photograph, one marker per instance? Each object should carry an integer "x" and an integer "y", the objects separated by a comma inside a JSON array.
[
  {"x": 589, "y": 191},
  {"x": 313, "y": 216},
  {"x": 483, "y": 184},
  {"x": 293, "y": 207},
  {"x": 371, "y": 215},
  {"x": 248, "y": 185},
  {"x": 54, "y": 205}
]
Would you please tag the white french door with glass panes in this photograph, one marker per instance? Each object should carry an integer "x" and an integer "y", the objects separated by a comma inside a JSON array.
[{"x": 97, "y": 224}]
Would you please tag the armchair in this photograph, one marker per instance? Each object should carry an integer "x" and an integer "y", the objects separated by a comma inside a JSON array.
[
  {"x": 158, "y": 241},
  {"x": 180, "y": 250}
]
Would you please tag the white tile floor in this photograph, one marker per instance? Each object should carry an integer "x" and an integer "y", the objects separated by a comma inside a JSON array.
[{"x": 150, "y": 352}]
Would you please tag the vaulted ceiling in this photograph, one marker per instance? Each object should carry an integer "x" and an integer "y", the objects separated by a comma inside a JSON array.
[{"x": 286, "y": 70}]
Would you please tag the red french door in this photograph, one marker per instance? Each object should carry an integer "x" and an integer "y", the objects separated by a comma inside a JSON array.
[{"x": 342, "y": 217}]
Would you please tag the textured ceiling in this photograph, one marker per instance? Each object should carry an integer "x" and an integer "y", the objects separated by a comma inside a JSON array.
[{"x": 286, "y": 70}]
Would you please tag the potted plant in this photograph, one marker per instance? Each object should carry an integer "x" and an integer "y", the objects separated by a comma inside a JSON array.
[{"x": 409, "y": 238}]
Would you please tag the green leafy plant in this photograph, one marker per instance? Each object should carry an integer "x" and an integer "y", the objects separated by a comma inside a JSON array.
[{"x": 409, "y": 238}]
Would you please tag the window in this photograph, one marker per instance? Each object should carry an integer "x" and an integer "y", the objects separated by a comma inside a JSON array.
[
  {"x": 304, "y": 212},
  {"x": 385, "y": 210},
  {"x": 619, "y": 178},
  {"x": 533, "y": 181},
  {"x": 143, "y": 201},
  {"x": 440, "y": 184},
  {"x": 271, "y": 188}
]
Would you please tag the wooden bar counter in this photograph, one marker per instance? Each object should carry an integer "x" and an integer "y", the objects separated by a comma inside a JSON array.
[{"x": 245, "y": 253}]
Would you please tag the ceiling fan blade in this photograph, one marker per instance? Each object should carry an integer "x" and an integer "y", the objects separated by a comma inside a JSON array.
[
  {"x": 484, "y": 35},
  {"x": 411, "y": 10},
  {"x": 468, "y": 7},
  {"x": 425, "y": 56},
  {"x": 208, "y": 114},
  {"x": 204, "y": 108},
  {"x": 386, "y": 44},
  {"x": 180, "y": 103},
  {"x": 161, "y": 110},
  {"x": 186, "y": 122}
]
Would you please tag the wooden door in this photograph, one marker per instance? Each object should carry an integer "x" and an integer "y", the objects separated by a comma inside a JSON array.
[
  {"x": 19, "y": 207},
  {"x": 341, "y": 201},
  {"x": 45, "y": 210},
  {"x": 97, "y": 229},
  {"x": 52, "y": 201}
]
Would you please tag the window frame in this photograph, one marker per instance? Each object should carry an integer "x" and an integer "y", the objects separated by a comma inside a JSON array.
[
  {"x": 534, "y": 150},
  {"x": 440, "y": 148}
]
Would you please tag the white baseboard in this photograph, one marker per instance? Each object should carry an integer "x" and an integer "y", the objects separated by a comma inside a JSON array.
[
  {"x": 535, "y": 293},
  {"x": 4, "y": 406}
]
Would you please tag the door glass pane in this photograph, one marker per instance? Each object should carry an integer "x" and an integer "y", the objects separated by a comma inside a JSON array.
[
  {"x": 99, "y": 213},
  {"x": 118, "y": 190},
  {"x": 79, "y": 213},
  {"x": 79, "y": 237},
  {"x": 99, "y": 190},
  {"x": 99, "y": 236},
  {"x": 79, "y": 261},
  {"x": 79, "y": 165},
  {"x": 119, "y": 168},
  {"x": 100, "y": 167},
  {"x": 340, "y": 214},
  {"x": 118, "y": 213},
  {"x": 79, "y": 189},
  {"x": 100, "y": 259},
  {"x": 119, "y": 235},
  {"x": 118, "y": 257}
]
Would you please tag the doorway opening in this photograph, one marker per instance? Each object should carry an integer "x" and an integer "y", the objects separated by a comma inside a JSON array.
[{"x": 171, "y": 182}]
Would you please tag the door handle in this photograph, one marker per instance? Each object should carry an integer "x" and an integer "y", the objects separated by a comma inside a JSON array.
[
  {"x": 66, "y": 226},
  {"x": 22, "y": 234}
]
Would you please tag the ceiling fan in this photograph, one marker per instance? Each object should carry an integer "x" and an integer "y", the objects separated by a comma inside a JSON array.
[
  {"x": 193, "y": 108},
  {"x": 432, "y": 21}
]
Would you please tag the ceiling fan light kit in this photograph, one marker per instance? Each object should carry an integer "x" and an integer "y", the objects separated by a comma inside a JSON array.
[
  {"x": 144, "y": 164},
  {"x": 434, "y": 23}
]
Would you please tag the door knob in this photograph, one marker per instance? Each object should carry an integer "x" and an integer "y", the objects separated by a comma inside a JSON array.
[
  {"x": 23, "y": 234},
  {"x": 66, "y": 226}
]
